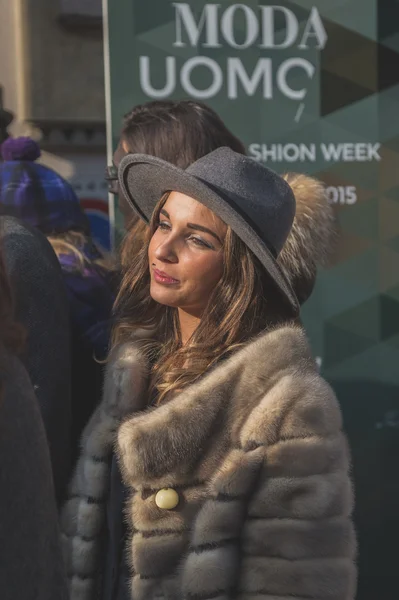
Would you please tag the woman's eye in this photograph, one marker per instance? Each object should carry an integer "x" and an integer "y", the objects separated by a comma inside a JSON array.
[
  {"x": 199, "y": 242},
  {"x": 164, "y": 225}
]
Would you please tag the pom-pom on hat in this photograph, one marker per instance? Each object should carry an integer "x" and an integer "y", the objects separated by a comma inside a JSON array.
[
  {"x": 36, "y": 194},
  {"x": 22, "y": 148}
]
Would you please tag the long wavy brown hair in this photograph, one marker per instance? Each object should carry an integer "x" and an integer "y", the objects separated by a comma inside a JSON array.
[{"x": 241, "y": 306}]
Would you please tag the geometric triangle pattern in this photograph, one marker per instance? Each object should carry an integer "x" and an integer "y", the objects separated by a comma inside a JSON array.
[{"x": 342, "y": 344}]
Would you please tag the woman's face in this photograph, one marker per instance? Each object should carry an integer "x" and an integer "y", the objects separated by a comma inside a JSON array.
[{"x": 186, "y": 254}]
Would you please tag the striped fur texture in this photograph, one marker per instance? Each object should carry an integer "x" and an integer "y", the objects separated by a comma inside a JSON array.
[
  {"x": 311, "y": 241},
  {"x": 257, "y": 455}
]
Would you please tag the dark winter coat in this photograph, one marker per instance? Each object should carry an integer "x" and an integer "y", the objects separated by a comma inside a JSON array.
[
  {"x": 41, "y": 306},
  {"x": 255, "y": 451},
  {"x": 90, "y": 291},
  {"x": 31, "y": 565},
  {"x": 90, "y": 295}
]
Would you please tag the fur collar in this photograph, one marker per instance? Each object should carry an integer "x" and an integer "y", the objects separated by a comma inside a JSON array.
[{"x": 161, "y": 444}]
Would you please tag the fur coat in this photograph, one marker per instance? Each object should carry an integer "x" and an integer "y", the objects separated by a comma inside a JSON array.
[{"x": 255, "y": 451}]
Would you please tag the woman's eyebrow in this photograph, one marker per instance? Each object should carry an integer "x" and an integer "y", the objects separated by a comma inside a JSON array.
[
  {"x": 195, "y": 226},
  {"x": 205, "y": 230}
]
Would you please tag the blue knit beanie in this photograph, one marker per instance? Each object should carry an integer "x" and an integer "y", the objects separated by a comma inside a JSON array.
[{"x": 36, "y": 194}]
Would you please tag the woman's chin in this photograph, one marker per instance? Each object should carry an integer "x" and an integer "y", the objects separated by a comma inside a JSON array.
[{"x": 164, "y": 296}]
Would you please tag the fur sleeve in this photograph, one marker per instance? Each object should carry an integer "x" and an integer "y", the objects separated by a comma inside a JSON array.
[
  {"x": 83, "y": 514},
  {"x": 298, "y": 538}
]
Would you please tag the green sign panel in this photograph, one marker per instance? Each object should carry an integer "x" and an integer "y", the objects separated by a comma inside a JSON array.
[{"x": 309, "y": 86}]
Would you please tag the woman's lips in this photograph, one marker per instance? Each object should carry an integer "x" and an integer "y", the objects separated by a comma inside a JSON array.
[{"x": 161, "y": 277}]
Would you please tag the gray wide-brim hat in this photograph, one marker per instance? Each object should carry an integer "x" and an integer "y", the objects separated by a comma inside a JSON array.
[{"x": 257, "y": 203}]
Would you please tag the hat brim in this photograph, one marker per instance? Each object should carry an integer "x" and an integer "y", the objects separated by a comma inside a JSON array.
[{"x": 145, "y": 179}]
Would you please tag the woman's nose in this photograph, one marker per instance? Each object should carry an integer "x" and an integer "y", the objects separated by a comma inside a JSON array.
[{"x": 166, "y": 252}]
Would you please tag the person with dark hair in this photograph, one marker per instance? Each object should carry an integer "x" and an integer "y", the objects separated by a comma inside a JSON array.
[
  {"x": 31, "y": 563},
  {"x": 41, "y": 306},
  {"x": 179, "y": 132},
  {"x": 230, "y": 444},
  {"x": 43, "y": 199}
]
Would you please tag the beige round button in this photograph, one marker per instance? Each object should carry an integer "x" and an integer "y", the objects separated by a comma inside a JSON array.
[{"x": 167, "y": 499}]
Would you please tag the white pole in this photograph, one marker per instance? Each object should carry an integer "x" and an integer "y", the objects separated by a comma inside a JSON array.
[{"x": 108, "y": 117}]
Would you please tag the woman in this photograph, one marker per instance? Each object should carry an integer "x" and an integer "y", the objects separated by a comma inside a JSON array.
[
  {"x": 43, "y": 199},
  {"x": 31, "y": 566},
  {"x": 229, "y": 442}
]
